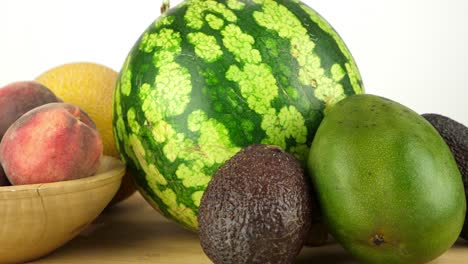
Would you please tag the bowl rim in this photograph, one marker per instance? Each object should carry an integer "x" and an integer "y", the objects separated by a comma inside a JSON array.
[{"x": 110, "y": 170}]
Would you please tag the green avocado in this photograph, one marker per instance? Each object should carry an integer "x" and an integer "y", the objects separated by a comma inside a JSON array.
[
  {"x": 456, "y": 136},
  {"x": 387, "y": 183}
]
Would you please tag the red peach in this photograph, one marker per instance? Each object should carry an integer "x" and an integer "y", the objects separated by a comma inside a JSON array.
[
  {"x": 52, "y": 142},
  {"x": 18, "y": 98}
]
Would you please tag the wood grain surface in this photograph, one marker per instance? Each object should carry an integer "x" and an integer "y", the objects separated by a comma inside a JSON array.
[{"x": 133, "y": 232}]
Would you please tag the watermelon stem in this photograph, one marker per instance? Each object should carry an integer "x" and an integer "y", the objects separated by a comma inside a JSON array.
[{"x": 165, "y": 6}]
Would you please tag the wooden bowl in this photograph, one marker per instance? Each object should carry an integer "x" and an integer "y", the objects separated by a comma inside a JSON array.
[{"x": 35, "y": 219}]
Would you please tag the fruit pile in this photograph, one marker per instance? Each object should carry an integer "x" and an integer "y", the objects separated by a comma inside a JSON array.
[
  {"x": 246, "y": 121},
  {"x": 58, "y": 126}
]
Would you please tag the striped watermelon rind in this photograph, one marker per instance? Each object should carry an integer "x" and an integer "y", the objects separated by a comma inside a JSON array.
[{"x": 210, "y": 77}]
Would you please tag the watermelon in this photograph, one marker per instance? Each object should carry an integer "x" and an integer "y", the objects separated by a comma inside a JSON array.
[{"x": 208, "y": 78}]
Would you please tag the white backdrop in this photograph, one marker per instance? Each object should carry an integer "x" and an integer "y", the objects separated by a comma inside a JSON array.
[{"x": 412, "y": 51}]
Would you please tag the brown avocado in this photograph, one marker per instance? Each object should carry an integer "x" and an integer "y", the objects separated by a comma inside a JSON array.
[
  {"x": 256, "y": 209},
  {"x": 455, "y": 135}
]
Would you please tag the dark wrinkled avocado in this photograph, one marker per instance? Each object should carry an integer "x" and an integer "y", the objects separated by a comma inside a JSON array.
[
  {"x": 456, "y": 137},
  {"x": 256, "y": 209}
]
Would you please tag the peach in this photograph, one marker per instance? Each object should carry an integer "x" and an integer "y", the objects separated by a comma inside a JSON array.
[
  {"x": 52, "y": 142},
  {"x": 18, "y": 98}
]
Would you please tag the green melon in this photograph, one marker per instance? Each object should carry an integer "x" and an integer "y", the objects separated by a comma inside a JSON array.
[{"x": 208, "y": 78}]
